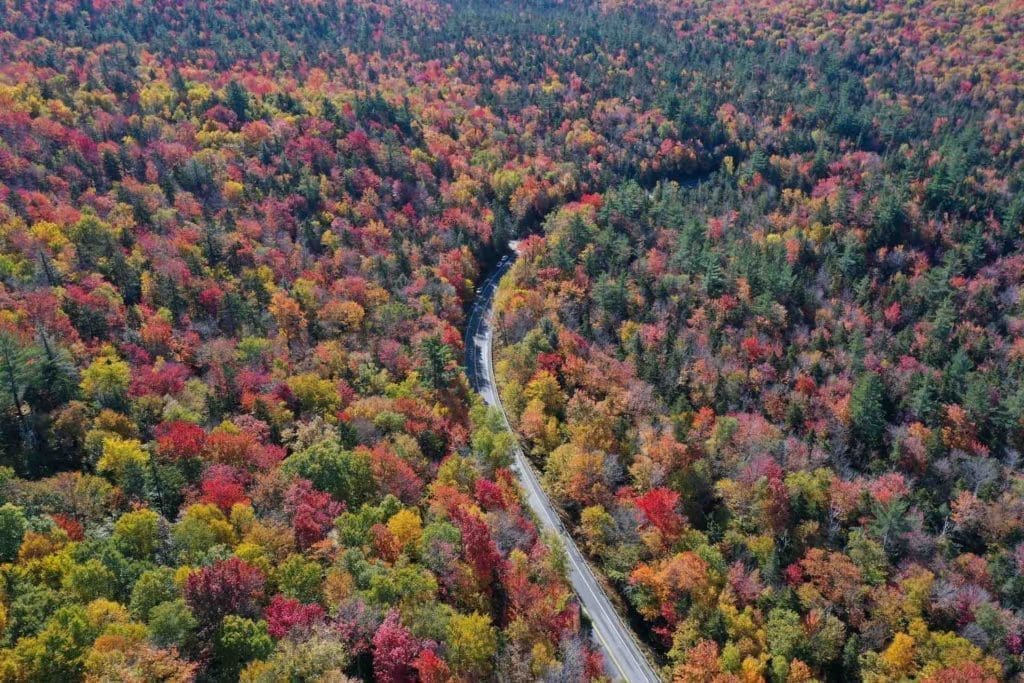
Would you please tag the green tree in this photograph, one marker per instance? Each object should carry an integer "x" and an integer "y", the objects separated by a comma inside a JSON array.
[
  {"x": 407, "y": 585},
  {"x": 152, "y": 588},
  {"x": 868, "y": 555},
  {"x": 12, "y": 358},
  {"x": 439, "y": 368},
  {"x": 201, "y": 528},
  {"x": 89, "y": 581},
  {"x": 890, "y": 522},
  {"x": 346, "y": 475},
  {"x": 171, "y": 623},
  {"x": 30, "y": 609},
  {"x": 56, "y": 653},
  {"x": 237, "y": 100},
  {"x": 239, "y": 641},
  {"x": 299, "y": 578},
  {"x": 354, "y": 527},
  {"x": 867, "y": 412},
  {"x": 51, "y": 378},
  {"x": 12, "y": 530},
  {"x": 785, "y": 633}
]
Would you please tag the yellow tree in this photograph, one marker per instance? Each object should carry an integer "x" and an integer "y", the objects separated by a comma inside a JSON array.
[{"x": 472, "y": 642}]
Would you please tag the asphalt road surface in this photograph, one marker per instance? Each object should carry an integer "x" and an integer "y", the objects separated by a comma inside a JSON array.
[{"x": 623, "y": 657}]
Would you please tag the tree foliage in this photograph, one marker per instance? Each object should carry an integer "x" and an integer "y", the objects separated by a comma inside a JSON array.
[{"x": 761, "y": 336}]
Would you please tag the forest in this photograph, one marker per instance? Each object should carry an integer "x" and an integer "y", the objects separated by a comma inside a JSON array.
[{"x": 763, "y": 338}]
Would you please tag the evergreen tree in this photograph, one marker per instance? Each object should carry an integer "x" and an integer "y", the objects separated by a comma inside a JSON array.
[
  {"x": 238, "y": 100},
  {"x": 867, "y": 412}
]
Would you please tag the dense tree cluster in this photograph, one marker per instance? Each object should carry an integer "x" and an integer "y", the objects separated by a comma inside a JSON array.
[
  {"x": 237, "y": 443},
  {"x": 782, "y": 408}
]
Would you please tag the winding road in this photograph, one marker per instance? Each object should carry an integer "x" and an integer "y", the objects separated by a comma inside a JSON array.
[{"x": 623, "y": 657}]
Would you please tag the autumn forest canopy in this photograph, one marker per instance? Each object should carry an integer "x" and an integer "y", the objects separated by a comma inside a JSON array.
[{"x": 763, "y": 340}]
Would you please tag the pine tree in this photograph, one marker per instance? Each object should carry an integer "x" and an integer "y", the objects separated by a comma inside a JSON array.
[
  {"x": 238, "y": 100},
  {"x": 867, "y": 412}
]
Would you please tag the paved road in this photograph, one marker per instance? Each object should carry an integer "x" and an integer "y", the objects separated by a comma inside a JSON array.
[{"x": 623, "y": 657}]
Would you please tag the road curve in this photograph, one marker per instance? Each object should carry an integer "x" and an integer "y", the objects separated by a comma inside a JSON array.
[{"x": 623, "y": 656}]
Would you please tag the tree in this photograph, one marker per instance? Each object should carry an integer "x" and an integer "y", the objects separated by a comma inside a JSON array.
[
  {"x": 663, "y": 585},
  {"x": 701, "y": 664},
  {"x": 12, "y": 530},
  {"x": 430, "y": 668},
  {"x": 867, "y": 412},
  {"x": 544, "y": 387},
  {"x": 315, "y": 394},
  {"x": 171, "y": 623},
  {"x": 439, "y": 368},
  {"x": 313, "y": 512},
  {"x": 394, "y": 475},
  {"x": 394, "y": 651},
  {"x": 889, "y": 522},
  {"x": 660, "y": 506},
  {"x": 153, "y": 587},
  {"x": 137, "y": 534},
  {"x": 118, "y": 658},
  {"x": 11, "y": 377},
  {"x": 106, "y": 380},
  {"x": 597, "y": 527},
  {"x": 180, "y": 440},
  {"x": 478, "y": 546},
  {"x": 201, "y": 527},
  {"x": 299, "y": 578},
  {"x": 492, "y": 443},
  {"x": 239, "y": 641},
  {"x": 346, "y": 475},
  {"x": 403, "y": 584},
  {"x": 122, "y": 459},
  {"x": 321, "y": 657},
  {"x": 237, "y": 99},
  {"x": 291, "y": 321},
  {"x": 89, "y": 581},
  {"x": 472, "y": 642},
  {"x": 226, "y": 587},
  {"x": 286, "y": 615},
  {"x": 56, "y": 652},
  {"x": 834, "y": 576},
  {"x": 223, "y": 486},
  {"x": 407, "y": 527},
  {"x": 785, "y": 634}
]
